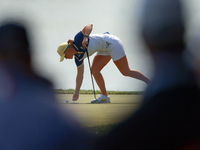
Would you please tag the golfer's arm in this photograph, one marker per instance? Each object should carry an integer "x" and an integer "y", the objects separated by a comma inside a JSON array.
[
  {"x": 79, "y": 78},
  {"x": 88, "y": 29}
]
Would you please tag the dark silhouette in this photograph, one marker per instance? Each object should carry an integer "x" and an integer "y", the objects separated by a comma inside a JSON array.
[
  {"x": 169, "y": 117},
  {"x": 29, "y": 115}
]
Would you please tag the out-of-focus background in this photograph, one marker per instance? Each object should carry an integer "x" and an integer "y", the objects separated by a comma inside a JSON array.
[{"x": 54, "y": 22}]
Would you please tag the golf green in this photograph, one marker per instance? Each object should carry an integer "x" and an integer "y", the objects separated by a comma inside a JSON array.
[{"x": 121, "y": 107}]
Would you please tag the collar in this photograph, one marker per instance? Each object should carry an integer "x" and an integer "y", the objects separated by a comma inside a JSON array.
[{"x": 75, "y": 47}]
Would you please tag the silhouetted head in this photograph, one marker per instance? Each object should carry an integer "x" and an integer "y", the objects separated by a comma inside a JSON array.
[
  {"x": 14, "y": 43},
  {"x": 162, "y": 25}
]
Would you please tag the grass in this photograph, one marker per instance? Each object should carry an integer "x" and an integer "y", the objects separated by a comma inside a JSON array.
[
  {"x": 99, "y": 119},
  {"x": 71, "y": 91},
  {"x": 91, "y": 115}
]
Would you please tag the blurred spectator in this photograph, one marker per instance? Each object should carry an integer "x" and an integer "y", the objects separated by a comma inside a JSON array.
[
  {"x": 29, "y": 116},
  {"x": 192, "y": 54},
  {"x": 169, "y": 117}
]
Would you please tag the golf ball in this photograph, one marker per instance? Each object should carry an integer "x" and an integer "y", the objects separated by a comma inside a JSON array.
[{"x": 67, "y": 101}]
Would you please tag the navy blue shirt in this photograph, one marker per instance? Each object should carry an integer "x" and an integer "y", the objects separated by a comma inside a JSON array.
[{"x": 79, "y": 48}]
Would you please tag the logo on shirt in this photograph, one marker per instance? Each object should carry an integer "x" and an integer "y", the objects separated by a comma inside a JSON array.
[
  {"x": 78, "y": 54},
  {"x": 107, "y": 44},
  {"x": 82, "y": 47}
]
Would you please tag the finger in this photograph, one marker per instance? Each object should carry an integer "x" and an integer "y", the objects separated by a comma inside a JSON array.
[
  {"x": 84, "y": 45},
  {"x": 74, "y": 99}
]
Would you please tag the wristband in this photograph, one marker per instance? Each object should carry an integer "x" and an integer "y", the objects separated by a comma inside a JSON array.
[{"x": 86, "y": 35}]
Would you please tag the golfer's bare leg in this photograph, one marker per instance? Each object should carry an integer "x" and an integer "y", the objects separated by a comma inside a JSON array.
[
  {"x": 98, "y": 63},
  {"x": 122, "y": 65}
]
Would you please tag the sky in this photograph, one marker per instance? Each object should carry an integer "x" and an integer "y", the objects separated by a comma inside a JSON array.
[{"x": 54, "y": 22}]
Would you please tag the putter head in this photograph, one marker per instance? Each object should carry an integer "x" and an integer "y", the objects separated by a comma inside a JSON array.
[{"x": 94, "y": 101}]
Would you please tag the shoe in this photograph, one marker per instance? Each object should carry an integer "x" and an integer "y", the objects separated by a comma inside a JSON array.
[{"x": 101, "y": 99}]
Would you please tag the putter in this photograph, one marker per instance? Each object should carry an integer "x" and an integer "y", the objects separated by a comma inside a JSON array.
[{"x": 91, "y": 73}]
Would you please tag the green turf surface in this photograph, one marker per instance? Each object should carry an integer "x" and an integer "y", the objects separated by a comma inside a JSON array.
[
  {"x": 71, "y": 91},
  {"x": 97, "y": 115}
]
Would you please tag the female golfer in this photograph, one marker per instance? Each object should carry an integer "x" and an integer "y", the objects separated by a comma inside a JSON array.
[{"x": 107, "y": 46}]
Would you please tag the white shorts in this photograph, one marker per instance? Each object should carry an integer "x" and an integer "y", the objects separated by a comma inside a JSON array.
[{"x": 114, "y": 47}]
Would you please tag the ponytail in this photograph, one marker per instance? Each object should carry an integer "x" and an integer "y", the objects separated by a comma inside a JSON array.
[{"x": 70, "y": 41}]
